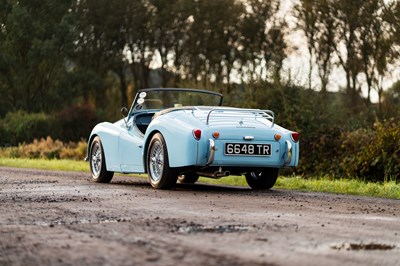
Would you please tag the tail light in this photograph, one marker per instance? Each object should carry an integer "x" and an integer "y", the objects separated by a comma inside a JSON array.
[
  {"x": 295, "y": 136},
  {"x": 197, "y": 134}
]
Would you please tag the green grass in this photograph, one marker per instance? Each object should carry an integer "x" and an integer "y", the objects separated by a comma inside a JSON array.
[
  {"x": 387, "y": 189},
  {"x": 62, "y": 165}
]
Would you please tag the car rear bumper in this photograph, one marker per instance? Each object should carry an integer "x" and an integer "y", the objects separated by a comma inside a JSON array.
[{"x": 282, "y": 156}]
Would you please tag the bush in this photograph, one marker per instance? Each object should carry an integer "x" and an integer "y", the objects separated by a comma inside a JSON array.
[
  {"x": 20, "y": 126},
  {"x": 71, "y": 124},
  {"x": 47, "y": 148},
  {"x": 74, "y": 150},
  {"x": 75, "y": 122},
  {"x": 320, "y": 152},
  {"x": 372, "y": 154},
  {"x": 41, "y": 149}
]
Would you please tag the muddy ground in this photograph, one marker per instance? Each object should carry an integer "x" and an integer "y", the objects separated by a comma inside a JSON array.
[{"x": 61, "y": 218}]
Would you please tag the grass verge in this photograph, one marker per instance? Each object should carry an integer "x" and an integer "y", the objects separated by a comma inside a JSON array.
[
  {"x": 62, "y": 165},
  {"x": 387, "y": 189}
]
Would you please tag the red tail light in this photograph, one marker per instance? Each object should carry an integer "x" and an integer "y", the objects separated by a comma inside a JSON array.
[
  {"x": 197, "y": 134},
  {"x": 295, "y": 136}
]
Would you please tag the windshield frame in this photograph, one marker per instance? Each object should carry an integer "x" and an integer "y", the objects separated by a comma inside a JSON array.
[{"x": 135, "y": 103}]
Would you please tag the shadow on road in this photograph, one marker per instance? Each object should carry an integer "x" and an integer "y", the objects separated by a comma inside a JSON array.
[{"x": 199, "y": 187}]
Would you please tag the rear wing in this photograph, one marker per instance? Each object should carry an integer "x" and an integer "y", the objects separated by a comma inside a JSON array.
[{"x": 242, "y": 113}]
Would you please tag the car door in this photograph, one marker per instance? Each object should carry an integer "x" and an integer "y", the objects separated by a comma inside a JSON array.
[{"x": 130, "y": 147}]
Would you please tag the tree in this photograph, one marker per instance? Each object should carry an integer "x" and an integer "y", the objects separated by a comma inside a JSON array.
[
  {"x": 263, "y": 47},
  {"x": 34, "y": 40},
  {"x": 170, "y": 22},
  {"x": 212, "y": 41},
  {"x": 307, "y": 15},
  {"x": 5, "y": 10},
  {"x": 355, "y": 33},
  {"x": 101, "y": 39},
  {"x": 325, "y": 42},
  {"x": 139, "y": 41}
]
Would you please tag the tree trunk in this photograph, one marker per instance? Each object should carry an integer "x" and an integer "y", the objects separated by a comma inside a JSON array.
[{"x": 123, "y": 86}]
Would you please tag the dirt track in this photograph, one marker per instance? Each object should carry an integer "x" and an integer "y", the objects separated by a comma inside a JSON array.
[{"x": 60, "y": 218}]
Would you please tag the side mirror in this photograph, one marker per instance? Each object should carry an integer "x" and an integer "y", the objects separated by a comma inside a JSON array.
[{"x": 124, "y": 112}]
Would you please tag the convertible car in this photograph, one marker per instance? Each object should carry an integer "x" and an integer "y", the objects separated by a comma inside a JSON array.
[{"x": 181, "y": 134}]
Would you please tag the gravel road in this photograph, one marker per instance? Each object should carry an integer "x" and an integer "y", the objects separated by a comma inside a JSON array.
[{"x": 61, "y": 218}]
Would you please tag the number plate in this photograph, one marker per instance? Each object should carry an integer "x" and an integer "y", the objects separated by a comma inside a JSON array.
[{"x": 247, "y": 149}]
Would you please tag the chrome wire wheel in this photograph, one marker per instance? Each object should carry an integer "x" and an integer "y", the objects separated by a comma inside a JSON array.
[
  {"x": 161, "y": 175},
  {"x": 96, "y": 159},
  {"x": 156, "y": 161},
  {"x": 98, "y": 163}
]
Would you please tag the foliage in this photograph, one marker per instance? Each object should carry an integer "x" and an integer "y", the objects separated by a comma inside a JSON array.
[
  {"x": 371, "y": 154},
  {"x": 75, "y": 122},
  {"x": 35, "y": 40},
  {"x": 21, "y": 126},
  {"x": 47, "y": 149},
  {"x": 70, "y": 124},
  {"x": 360, "y": 36}
]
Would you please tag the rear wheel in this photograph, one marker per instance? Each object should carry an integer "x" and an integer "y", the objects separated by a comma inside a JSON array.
[
  {"x": 98, "y": 163},
  {"x": 188, "y": 179},
  {"x": 160, "y": 174},
  {"x": 262, "y": 179}
]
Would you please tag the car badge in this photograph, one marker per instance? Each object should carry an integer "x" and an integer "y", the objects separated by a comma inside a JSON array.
[{"x": 242, "y": 125}]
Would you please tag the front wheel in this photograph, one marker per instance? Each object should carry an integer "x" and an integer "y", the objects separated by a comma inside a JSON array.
[
  {"x": 98, "y": 163},
  {"x": 262, "y": 179},
  {"x": 160, "y": 174}
]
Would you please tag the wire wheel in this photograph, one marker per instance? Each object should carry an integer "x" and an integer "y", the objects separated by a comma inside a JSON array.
[
  {"x": 98, "y": 163},
  {"x": 96, "y": 159},
  {"x": 160, "y": 174},
  {"x": 156, "y": 161}
]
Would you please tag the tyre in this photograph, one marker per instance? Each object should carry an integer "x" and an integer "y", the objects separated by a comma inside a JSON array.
[
  {"x": 188, "y": 179},
  {"x": 98, "y": 163},
  {"x": 262, "y": 179},
  {"x": 161, "y": 176}
]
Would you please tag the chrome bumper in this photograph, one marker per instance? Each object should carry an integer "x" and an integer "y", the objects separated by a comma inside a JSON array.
[
  {"x": 289, "y": 152},
  {"x": 211, "y": 151}
]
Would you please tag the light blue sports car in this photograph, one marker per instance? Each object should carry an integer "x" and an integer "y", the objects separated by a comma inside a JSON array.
[{"x": 181, "y": 134}]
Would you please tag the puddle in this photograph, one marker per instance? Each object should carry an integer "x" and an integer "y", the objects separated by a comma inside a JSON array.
[
  {"x": 213, "y": 229},
  {"x": 363, "y": 246}
]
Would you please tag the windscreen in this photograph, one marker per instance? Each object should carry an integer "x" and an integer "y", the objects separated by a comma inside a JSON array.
[{"x": 166, "y": 98}]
